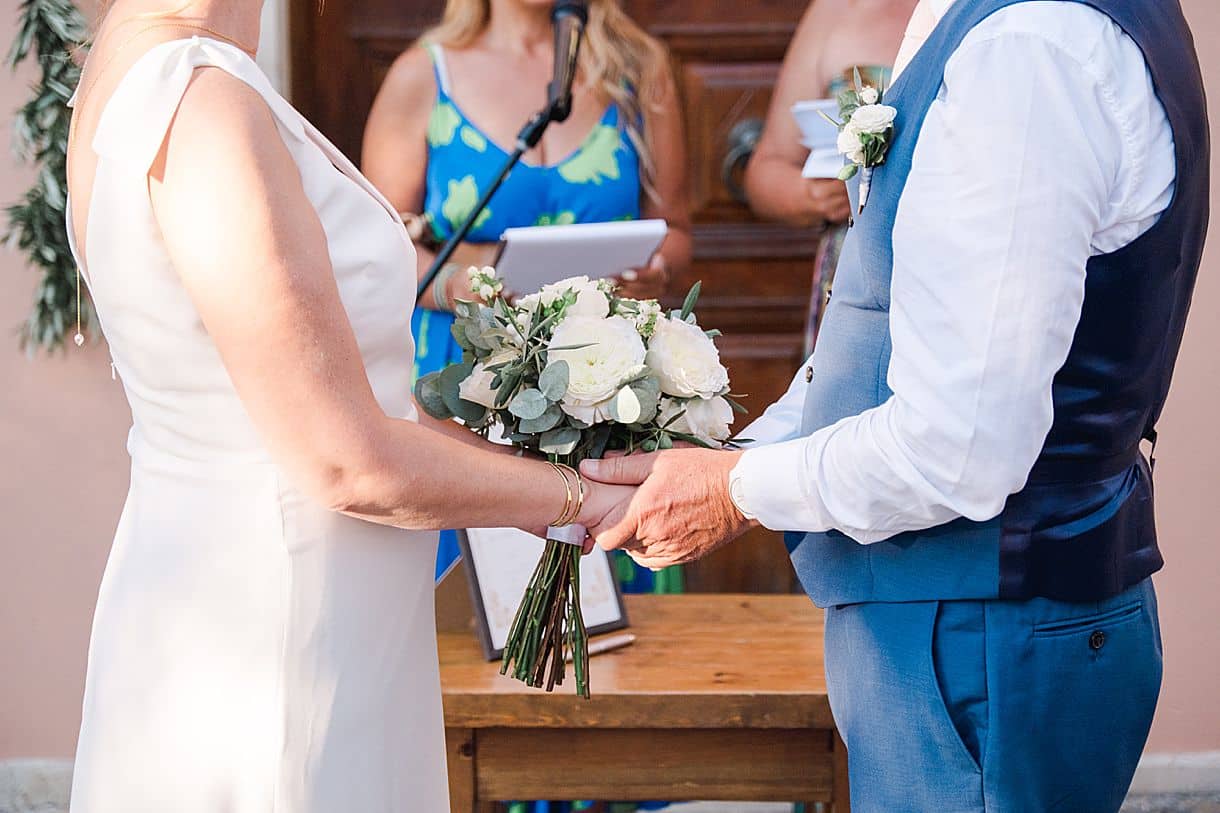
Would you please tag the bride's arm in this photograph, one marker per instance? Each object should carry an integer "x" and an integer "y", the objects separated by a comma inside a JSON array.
[{"x": 251, "y": 252}]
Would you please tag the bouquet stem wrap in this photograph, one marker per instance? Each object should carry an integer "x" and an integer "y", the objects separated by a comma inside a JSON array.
[{"x": 549, "y": 623}]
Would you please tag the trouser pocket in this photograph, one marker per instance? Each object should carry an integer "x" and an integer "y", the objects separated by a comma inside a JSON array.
[{"x": 958, "y": 654}]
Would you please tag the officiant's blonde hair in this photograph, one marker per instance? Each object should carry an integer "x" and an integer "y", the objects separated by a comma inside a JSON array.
[{"x": 617, "y": 58}]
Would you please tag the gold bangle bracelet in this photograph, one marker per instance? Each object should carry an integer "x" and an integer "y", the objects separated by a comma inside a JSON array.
[
  {"x": 567, "y": 501},
  {"x": 579, "y": 505}
]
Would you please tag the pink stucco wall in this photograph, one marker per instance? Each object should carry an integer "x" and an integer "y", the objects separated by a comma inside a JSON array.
[{"x": 63, "y": 476}]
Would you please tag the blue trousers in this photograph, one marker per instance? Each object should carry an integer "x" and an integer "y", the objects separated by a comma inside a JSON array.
[{"x": 997, "y": 706}]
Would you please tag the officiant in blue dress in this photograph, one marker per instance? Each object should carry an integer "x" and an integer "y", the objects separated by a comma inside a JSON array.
[{"x": 451, "y": 106}]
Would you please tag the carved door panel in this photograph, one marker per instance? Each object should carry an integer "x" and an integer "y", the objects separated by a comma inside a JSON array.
[{"x": 756, "y": 276}]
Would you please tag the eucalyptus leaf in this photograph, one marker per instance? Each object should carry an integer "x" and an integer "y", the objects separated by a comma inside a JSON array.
[
  {"x": 560, "y": 441},
  {"x": 648, "y": 386},
  {"x": 554, "y": 380},
  {"x": 528, "y": 404},
  {"x": 476, "y": 336},
  {"x": 471, "y": 413},
  {"x": 649, "y": 404},
  {"x": 449, "y": 382},
  {"x": 428, "y": 395},
  {"x": 547, "y": 420},
  {"x": 625, "y": 407}
]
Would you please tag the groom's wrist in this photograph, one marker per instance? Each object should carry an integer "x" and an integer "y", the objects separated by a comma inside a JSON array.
[
  {"x": 771, "y": 486},
  {"x": 737, "y": 492}
]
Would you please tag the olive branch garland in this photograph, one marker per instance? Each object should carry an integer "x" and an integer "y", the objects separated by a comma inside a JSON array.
[{"x": 49, "y": 31}]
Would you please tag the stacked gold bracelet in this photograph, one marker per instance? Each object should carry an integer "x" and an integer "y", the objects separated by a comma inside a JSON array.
[{"x": 573, "y": 503}]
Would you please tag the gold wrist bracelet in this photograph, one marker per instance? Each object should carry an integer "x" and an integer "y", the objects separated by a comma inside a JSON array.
[
  {"x": 578, "y": 507},
  {"x": 560, "y": 520}
]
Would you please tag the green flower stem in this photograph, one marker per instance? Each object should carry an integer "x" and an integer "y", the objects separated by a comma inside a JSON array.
[{"x": 549, "y": 623}]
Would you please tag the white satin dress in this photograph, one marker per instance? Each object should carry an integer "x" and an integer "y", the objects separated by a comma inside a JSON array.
[{"x": 252, "y": 651}]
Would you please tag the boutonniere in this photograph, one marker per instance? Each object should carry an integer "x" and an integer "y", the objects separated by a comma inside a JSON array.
[{"x": 866, "y": 129}]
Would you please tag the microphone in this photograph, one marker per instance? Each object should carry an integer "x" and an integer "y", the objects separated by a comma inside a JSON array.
[{"x": 569, "y": 18}]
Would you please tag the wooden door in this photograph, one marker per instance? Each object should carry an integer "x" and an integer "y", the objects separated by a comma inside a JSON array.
[{"x": 756, "y": 276}]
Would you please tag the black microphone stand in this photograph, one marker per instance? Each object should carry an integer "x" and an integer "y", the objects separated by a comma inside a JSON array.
[{"x": 556, "y": 110}]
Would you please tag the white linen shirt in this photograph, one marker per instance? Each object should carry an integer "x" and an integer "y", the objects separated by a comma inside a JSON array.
[{"x": 1046, "y": 145}]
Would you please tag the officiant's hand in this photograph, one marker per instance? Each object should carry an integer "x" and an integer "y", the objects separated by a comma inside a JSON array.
[
  {"x": 681, "y": 512},
  {"x": 828, "y": 201},
  {"x": 648, "y": 282}
]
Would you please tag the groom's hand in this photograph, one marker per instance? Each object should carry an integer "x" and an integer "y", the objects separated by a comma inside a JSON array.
[{"x": 681, "y": 511}]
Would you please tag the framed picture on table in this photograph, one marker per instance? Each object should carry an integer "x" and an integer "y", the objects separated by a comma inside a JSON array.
[{"x": 499, "y": 563}]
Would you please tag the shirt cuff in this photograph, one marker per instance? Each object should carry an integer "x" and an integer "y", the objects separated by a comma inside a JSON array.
[{"x": 771, "y": 487}]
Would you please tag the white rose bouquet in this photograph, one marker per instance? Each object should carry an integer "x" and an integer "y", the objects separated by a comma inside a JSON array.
[
  {"x": 866, "y": 128},
  {"x": 573, "y": 372}
]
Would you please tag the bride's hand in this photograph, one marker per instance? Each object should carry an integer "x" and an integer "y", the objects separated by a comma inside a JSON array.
[{"x": 604, "y": 505}]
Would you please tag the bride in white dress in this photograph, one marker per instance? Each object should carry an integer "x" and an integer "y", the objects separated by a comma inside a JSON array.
[{"x": 264, "y": 638}]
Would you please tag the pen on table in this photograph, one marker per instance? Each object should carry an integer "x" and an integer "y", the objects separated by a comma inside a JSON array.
[{"x": 609, "y": 644}]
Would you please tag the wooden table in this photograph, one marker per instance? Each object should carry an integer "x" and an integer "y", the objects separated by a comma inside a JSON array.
[{"x": 722, "y": 697}]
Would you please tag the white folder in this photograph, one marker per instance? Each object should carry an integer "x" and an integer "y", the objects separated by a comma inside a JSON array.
[{"x": 533, "y": 256}]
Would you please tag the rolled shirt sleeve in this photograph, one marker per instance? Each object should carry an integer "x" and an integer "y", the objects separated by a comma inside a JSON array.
[{"x": 1011, "y": 183}]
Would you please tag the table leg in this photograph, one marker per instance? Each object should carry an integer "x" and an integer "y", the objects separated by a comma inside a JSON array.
[
  {"x": 841, "y": 799},
  {"x": 459, "y": 744}
]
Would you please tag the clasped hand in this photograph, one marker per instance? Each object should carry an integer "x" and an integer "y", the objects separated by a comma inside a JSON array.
[{"x": 680, "y": 512}]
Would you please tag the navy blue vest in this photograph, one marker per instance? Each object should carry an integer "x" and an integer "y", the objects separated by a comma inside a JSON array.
[{"x": 1082, "y": 527}]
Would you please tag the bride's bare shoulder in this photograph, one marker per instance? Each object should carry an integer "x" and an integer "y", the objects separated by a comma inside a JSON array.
[{"x": 221, "y": 122}]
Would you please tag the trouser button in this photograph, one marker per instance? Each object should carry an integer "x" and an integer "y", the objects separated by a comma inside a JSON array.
[{"x": 1097, "y": 640}]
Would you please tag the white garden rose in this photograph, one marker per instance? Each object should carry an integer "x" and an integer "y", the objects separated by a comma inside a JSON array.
[
  {"x": 869, "y": 95},
  {"x": 706, "y": 418},
  {"x": 591, "y": 300},
  {"x": 615, "y": 354},
  {"x": 849, "y": 144},
  {"x": 873, "y": 118},
  {"x": 685, "y": 360},
  {"x": 476, "y": 387}
]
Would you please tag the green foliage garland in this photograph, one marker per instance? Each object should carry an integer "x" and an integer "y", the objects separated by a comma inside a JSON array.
[{"x": 48, "y": 30}]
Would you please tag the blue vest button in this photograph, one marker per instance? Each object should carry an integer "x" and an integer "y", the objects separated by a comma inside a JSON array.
[{"x": 1097, "y": 640}]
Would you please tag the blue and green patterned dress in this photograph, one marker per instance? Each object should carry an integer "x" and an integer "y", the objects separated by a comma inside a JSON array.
[{"x": 598, "y": 182}]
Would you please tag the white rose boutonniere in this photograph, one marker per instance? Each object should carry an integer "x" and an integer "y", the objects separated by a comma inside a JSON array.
[{"x": 866, "y": 130}]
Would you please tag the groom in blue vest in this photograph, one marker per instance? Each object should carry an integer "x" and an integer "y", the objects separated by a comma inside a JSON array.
[{"x": 961, "y": 457}]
